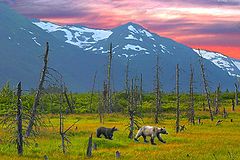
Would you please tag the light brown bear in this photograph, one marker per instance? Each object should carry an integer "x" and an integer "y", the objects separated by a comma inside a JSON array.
[{"x": 152, "y": 132}]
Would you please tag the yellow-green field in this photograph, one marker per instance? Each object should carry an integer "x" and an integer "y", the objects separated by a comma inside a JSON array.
[{"x": 206, "y": 141}]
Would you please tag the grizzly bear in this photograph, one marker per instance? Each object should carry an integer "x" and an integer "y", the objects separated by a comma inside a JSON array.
[
  {"x": 107, "y": 132},
  {"x": 152, "y": 132}
]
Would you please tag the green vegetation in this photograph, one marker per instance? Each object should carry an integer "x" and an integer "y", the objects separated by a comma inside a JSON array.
[{"x": 200, "y": 141}]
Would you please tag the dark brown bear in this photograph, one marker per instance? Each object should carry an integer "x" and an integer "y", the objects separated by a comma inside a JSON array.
[{"x": 107, "y": 132}]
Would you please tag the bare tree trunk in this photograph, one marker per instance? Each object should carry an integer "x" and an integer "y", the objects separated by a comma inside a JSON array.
[
  {"x": 217, "y": 100},
  {"x": 204, "y": 107},
  {"x": 109, "y": 95},
  {"x": 127, "y": 79},
  {"x": 131, "y": 111},
  {"x": 61, "y": 125},
  {"x": 236, "y": 93},
  {"x": 233, "y": 105},
  {"x": 103, "y": 103},
  {"x": 158, "y": 92},
  {"x": 141, "y": 90},
  {"x": 19, "y": 121},
  {"x": 206, "y": 89},
  {"x": 38, "y": 94},
  {"x": 192, "y": 112},
  {"x": 93, "y": 87},
  {"x": 178, "y": 99},
  {"x": 224, "y": 113},
  {"x": 70, "y": 107},
  {"x": 101, "y": 108},
  {"x": 89, "y": 148},
  {"x": 199, "y": 120}
]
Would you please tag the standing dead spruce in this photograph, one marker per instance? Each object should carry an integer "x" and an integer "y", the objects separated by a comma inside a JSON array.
[
  {"x": 107, "y": 132},
  {"x": 152, "y": 132}
]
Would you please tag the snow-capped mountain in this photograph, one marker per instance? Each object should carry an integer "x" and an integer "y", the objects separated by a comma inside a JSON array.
[
  {"x": 22, "y": 49},
  {"x": 76, "y": 35},
  {"x": 77, "y": 52},
  {"x": 230, "y": 65},
  {"x": 132, "y": 39}
]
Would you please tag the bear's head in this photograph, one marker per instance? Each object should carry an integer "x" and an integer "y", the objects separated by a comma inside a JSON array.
[
  {"x": 114, "y": 129},
  {"x": 162, "y": 131},
  {"x": 111, "y": 133}
]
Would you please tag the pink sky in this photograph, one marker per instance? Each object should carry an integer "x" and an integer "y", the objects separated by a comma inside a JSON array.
[{"x": 207, "y": 24}]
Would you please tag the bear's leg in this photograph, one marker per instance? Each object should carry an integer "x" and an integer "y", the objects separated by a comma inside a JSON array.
[
  {"x": 145, "y": 138},
  {"x": 105, "y": 135},
  {"x": 139, "y": 134},
  {"x": 99, "y": 134},
  {"x": 152, "y": 140},
  {"x": 110, "y": 137},
  {"x": 160, "y": 138}
]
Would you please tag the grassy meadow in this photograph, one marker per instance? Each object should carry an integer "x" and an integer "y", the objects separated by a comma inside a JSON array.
[{"x": 206, "y": 141}]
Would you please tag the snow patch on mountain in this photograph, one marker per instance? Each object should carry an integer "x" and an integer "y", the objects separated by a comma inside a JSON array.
[
  {"x": 131, "y": 28},
  {"x": 78, "y": 36},
  {"x": 237, "y": 64},
  {"x": 97, "y": 34},
  {"x": 131, "y": 37},
  {"x": 35, "y": 40},
  {"x": 147, "y": 33},
  {"x": 227, "y": 64},
  {"x": 49, "y": 27},
  {"x": 134, "y": 47},
  {"x": 134, "y": 30},
  {"x": 209, "y": 55}
]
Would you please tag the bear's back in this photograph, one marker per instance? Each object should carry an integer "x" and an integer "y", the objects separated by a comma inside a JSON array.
[{"x": 148, "y": 130}]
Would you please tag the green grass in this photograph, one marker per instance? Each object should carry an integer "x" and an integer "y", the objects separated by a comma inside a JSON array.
[{"x": 200, "y": 142}]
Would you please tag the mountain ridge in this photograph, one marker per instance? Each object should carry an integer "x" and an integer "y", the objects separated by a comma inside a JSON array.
[
  {"x": 20, "y": 56},
  {"x": 130, "y": 29}
]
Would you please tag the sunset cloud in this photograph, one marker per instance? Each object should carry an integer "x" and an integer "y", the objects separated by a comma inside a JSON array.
[{"x": 210, "y": 24}]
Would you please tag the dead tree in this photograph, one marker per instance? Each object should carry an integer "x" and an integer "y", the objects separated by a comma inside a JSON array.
[
  {"x": 61, "y": 126},
  {"x": 109, "y": 93},
  {"x": 70, "y": 107},
  {"x": 217, "y": 100},
  {"x": 131, "y": 126},
  {"x": 177, "y": 99},
  {"x": 233, "y": 105},
  {"x": 191, "y": 107},
  {"x": 204, "y": 107},
  {"x": 199, "y": 120},
  {"x": 141, "y": 90},
  {"x": 102, "y": 103},
  {"x": 224, "y": 113},
  {"x": 131, "y": 111},
  {"x": 236, "y": 93},
  {"x": 89, "y": 148},
  {"x": 127, "y": 79},
  {"x": 206, "y": 88},
  {"x": 133, "y": 107},
  {"x": 62, "y": 132},
  {"x": 157, "y": 92},
  {"x": 92, "y": 92},
  {"x": 45, "y": 157},
  {"x": 118, "y": 154},
  {"x": 19, "y": 120},
  {"x": 38, "y": 93}
]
